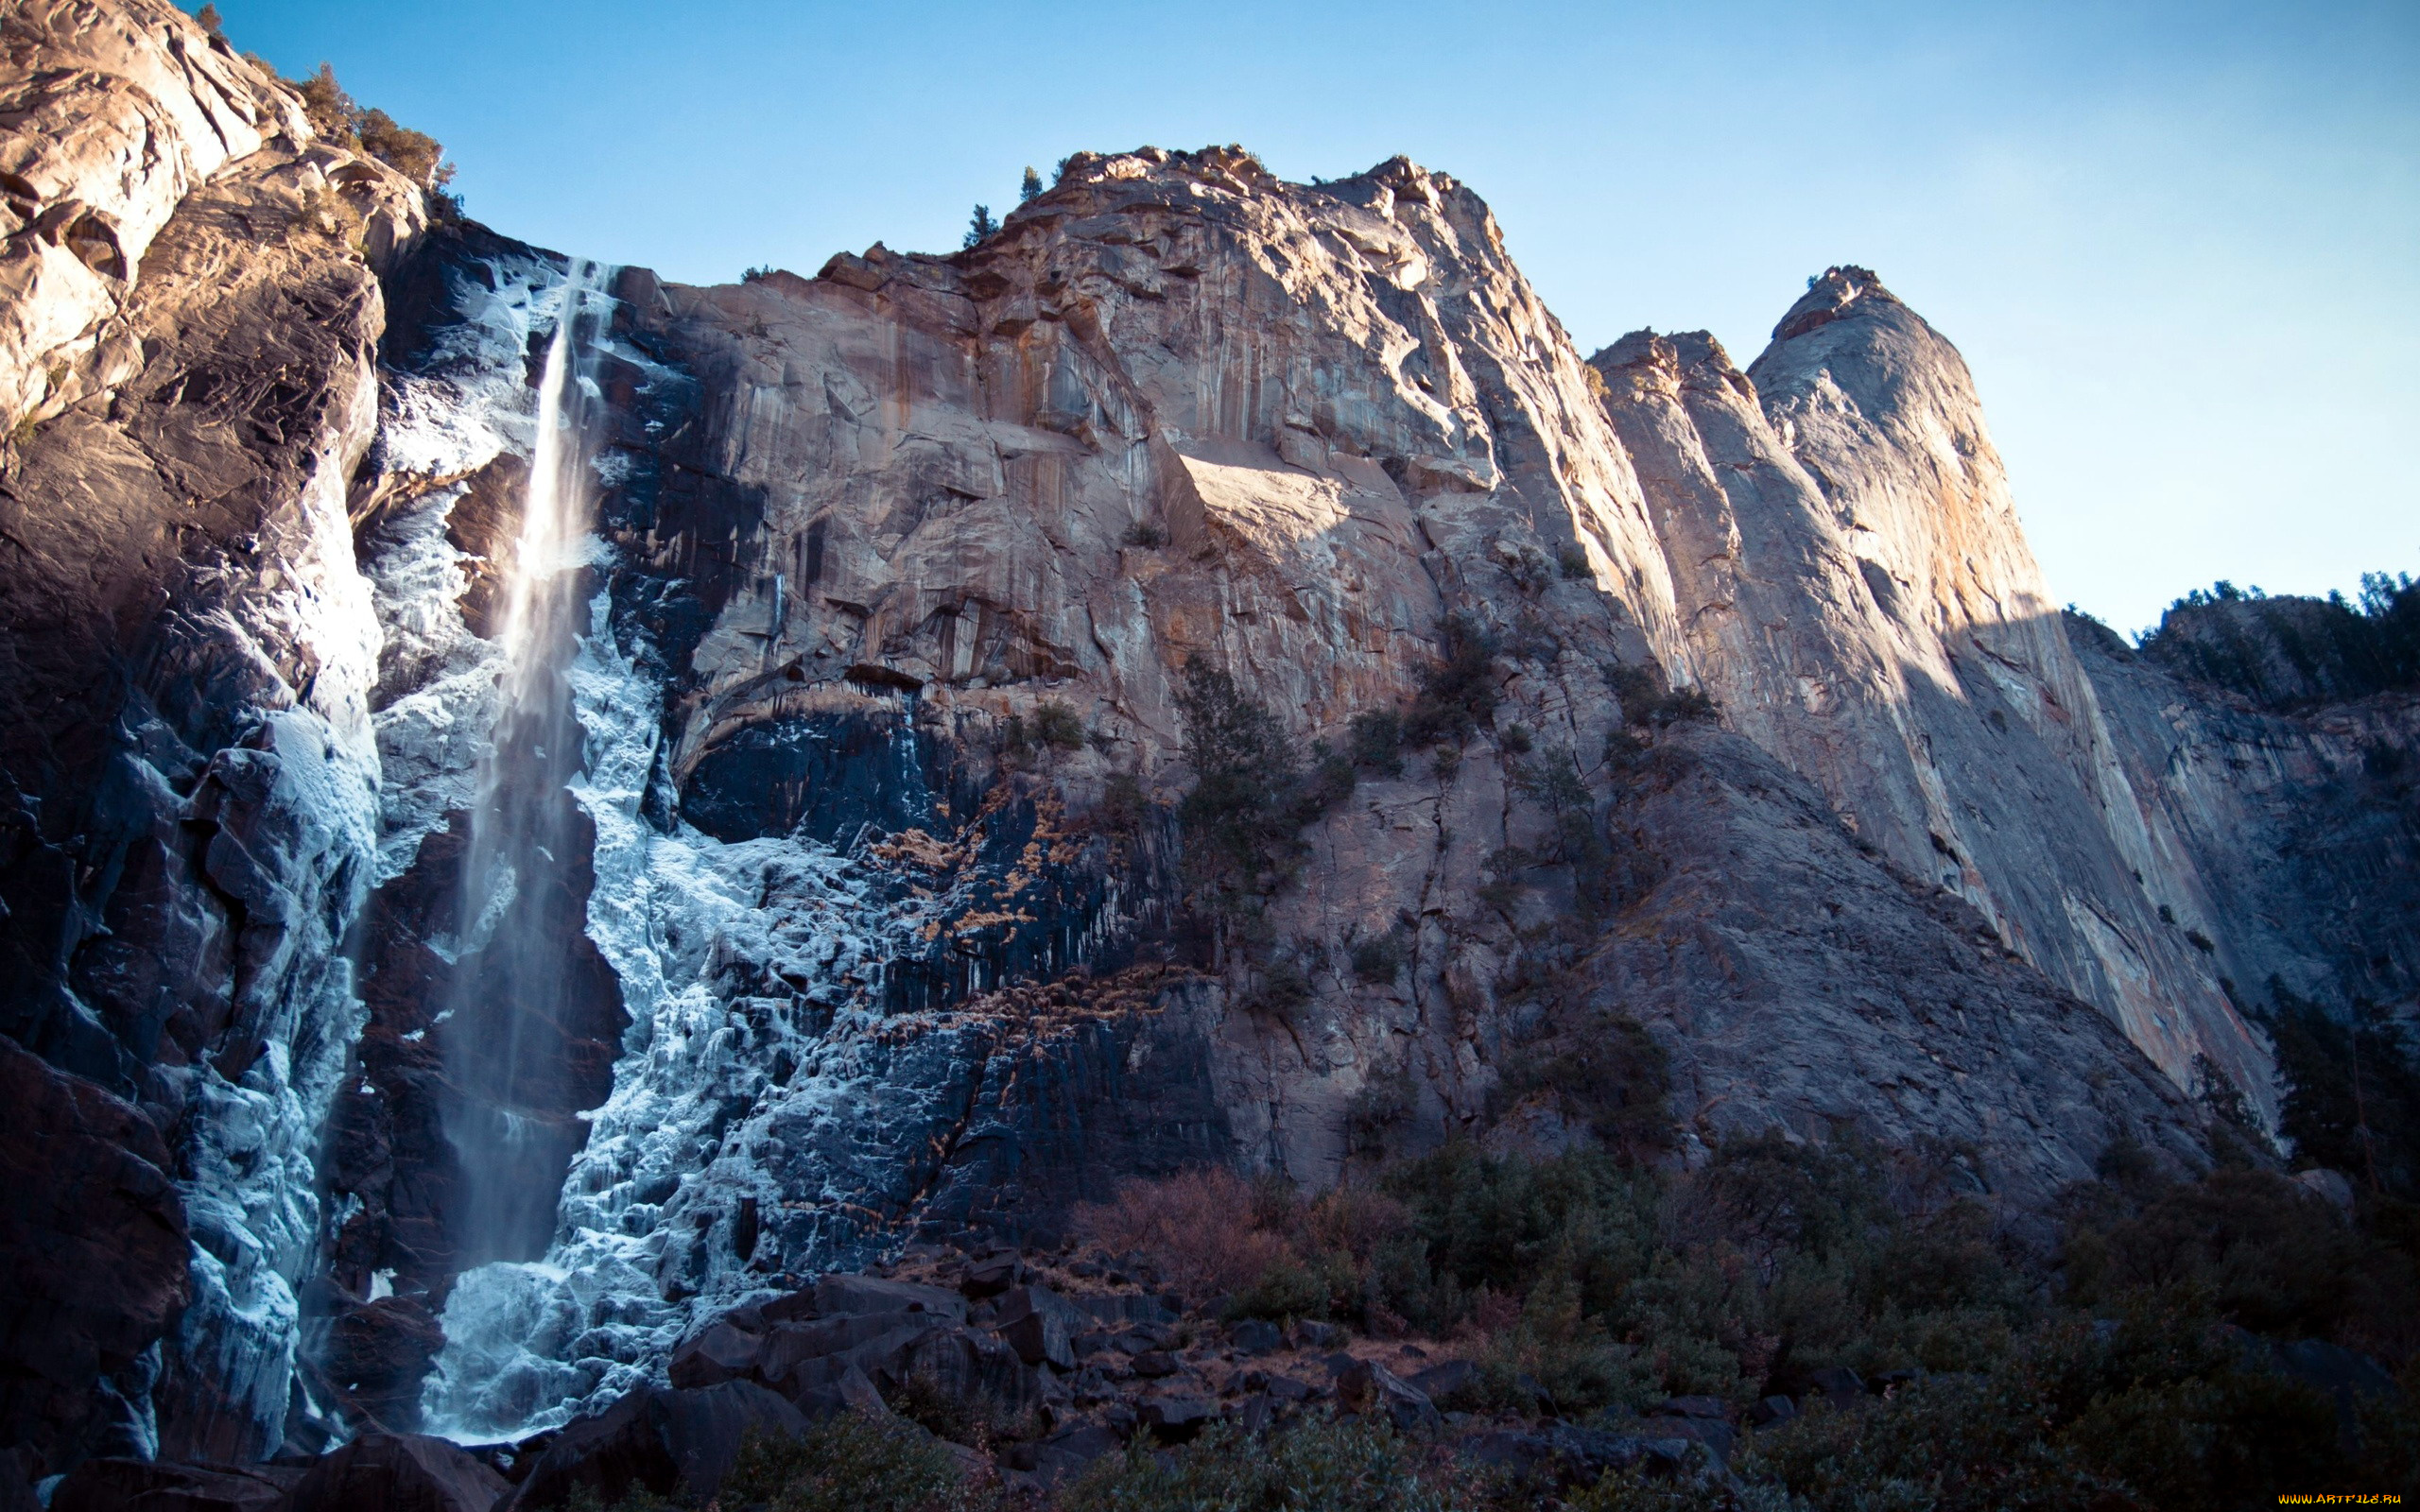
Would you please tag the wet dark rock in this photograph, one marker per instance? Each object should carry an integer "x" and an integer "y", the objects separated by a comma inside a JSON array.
[
  {"x": 668, "y": 1442},
  {"x": 856, "y": 1296},
  {"x": 390, "y": 1472},
  {"x": 722, "y": 1352},
  {"x": 161, "y": 1485},
  {"x": 93, "y": 1244},
  {"x": 376, "y": 1356}
]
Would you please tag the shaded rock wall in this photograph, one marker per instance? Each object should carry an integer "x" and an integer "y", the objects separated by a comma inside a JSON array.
[
  {"x": 186, "y": 648},
  {"x": 1865, "y": 608},
  {"x": 881, "y": 909}
]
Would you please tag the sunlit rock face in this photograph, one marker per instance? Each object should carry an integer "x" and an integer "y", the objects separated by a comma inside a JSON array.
[
  {"x": 188, "y": 338},
  {"x": 1863, "y": 605},
  {"x": 863, "y": 748}
]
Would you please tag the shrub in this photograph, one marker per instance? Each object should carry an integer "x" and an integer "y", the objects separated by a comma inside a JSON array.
[
  {"x": 1572, "y": 561},
  {"x": 1648, "y": 701},
  {"x": 1377, "y": 959},
  {"x": 2148, "y": 1413},
  {"x": 1514, "y": 739},
  {"x": 845, "y": 1463},
  {"x": 1251, "y": 795},
  {"x": 1145, "y": 535},
  {"x": 2256, "y": 1248},
  {"x": 1354, "y": 1465},
  {"x": 341, "y": 122},
  {"x": 1055, "y": 725},
  {"x": 1458, "y": 691},
  {"x": 1375, "y": 740},
  {"x": 1609, "y": 1075},
  {"x": 1188, "y": 1225}
]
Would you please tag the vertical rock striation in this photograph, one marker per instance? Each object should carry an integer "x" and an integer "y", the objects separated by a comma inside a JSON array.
[
  {"x": 1743, "y": 743},
  {"x": 1864, "y": 607}
]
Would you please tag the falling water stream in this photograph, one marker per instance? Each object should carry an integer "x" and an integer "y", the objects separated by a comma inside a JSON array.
[{"x": 519, "y": 986}]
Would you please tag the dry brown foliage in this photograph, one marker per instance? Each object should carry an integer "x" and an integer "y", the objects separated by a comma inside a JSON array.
[{"x": 1198, "y": 1227}]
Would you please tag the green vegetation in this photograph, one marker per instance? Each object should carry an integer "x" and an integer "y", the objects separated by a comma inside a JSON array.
[
  {"x": 2348, "y": 648},
  {"x": 337, "y": 118},
  {"x": 1032, "y": 187},
  {"x": 2354, "y": 1100},
  {"x": 1252, "y": 796},
  {"x": 1649, "y": 703},
  {"x": 1320, "y": 1464},
  {"x": 846, "y": 1463},
  {"x": 980, "y": 227}
]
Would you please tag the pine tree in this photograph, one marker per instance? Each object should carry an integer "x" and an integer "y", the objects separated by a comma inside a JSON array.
[
  {"x": 1031, "y": 186},
  {"x": 980, "y": 225}
]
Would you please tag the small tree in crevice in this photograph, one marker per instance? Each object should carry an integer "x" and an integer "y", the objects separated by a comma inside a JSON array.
[{"x": 1252, "y": 797}]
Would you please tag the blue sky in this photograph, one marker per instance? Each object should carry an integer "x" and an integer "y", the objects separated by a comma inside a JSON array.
[{"x": 2179, "y": 244}]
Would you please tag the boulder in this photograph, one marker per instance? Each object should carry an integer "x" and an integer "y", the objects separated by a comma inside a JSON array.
[
  {"x": 1694, "y": 1407},
  {"x": 847, "y": 1296},
  {"x": 792, "y": 1345},
  {"x": 1286, "y": 1388},
  {"x": 991, "y": 1275},
  {"x": 1717, "y": 1435},
  {"x": 116, "y": 1485},
  {"x": 1255, "y": 1335},
  {"x": 1040, "y": 1325},
  {"x": 1840, "y": 1386},
  {"x": 1449, "y": 1381},
  {"x": 377, "y": 1355},
  {"x": 1068, "y": 1452},
  {"x": 721, "y": 1352},
  {"x": 666, "y": 1441},
  {"x": 1145, "y": 1307},
  {"x": 1173, "y": 1419},
  {"x": 1771, "y": 1410},
  {"x": 965, "y": 1366},
  {"x": 1367, "y": 1387},
  {"x": 398, "y": 1472},
  {"x": 1153, "y": 1363}
]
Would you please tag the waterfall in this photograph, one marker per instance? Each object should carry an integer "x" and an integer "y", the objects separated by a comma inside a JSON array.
[{"x": 522, "y": 980}]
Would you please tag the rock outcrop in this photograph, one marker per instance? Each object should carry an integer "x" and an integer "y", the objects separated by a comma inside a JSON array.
[
  {"x": 190, "y": 785},
  {"x": 1588, "y": 714}
]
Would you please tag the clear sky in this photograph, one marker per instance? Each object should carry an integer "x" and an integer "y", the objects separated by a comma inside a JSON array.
[{"x": 2179, "y": 244}]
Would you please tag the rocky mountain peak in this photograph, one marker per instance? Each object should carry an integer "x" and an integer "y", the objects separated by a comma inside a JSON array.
[
  {"x": 1206, "y": 675},
  {"x": 1834, "y": 295}
]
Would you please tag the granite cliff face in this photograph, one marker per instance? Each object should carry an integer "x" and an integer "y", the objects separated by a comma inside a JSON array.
[
  {"x": 1737, "y": 711},
  {"x": 190, "y": 785}
]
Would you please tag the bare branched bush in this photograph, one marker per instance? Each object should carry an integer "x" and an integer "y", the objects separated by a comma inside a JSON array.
[{"x": 1197, "y": 1226}]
